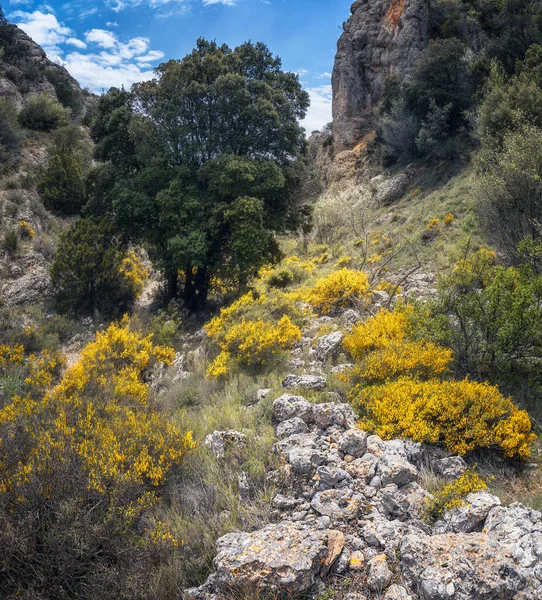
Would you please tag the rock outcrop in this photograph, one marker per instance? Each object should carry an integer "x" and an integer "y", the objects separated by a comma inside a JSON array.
[
  {"x": 353, "y": 507},
  {"x": 381, "y": 38}
]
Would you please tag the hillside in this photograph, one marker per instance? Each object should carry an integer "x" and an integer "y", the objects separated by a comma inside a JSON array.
[{"x": 236, "y": 364}]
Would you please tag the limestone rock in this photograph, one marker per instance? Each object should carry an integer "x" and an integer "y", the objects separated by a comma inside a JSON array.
[
  {"x": 392, "y": 190},
  {"x": 305, "y": 382},
  {"x": 452, "y": 467},
  {"x": 397, "y": 592},
  {"x": 393, "y": 468},
  {"x": 328, "y": 346},
  {"x": 381, "y": 37},
  {"x": 287, "y": 407},
  {"x": 291, "y": 426},
  {"x": 218, "y": 441},
  {"x": 353, "y": 442},
  {"x": 380, "y": 575},
  {"x": 285, "y": 558},
  {"x": 330, "y": 413},
  {"x": 471, "y": 514},
  {"x": 460, "y": 567},
  {"x": 338, "y": 504}
]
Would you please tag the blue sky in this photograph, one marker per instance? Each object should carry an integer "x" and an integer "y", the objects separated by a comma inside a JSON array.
[{"x": 113, "y": 42}]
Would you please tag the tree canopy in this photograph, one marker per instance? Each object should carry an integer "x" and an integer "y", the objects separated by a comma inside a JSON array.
[{"x": 207, "y": 156}]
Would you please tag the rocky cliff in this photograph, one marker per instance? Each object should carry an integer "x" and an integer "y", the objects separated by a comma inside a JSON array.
[
  {"x": 381, "y": 38},
  {"x": 29, "y": 71}
]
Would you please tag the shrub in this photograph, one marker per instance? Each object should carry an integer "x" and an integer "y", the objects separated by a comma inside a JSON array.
[
  {"x": 68, "y": 94},
  {"x": 509, "y": 189},
  {"x": 488, "y": 314},
  {"x": 11, "y": 241},
  {"x": 452, "y": 495},
  {"x": 25, "y": 230},
  {"x": 134, "y": 273},
  {"x": 81, "y": 466},
  {"x": 340, "y": 289},
  {"x": 62, "y": 187},
  {"x": 42, "y": 113},
  {"x": 10, "y": 135},
  {"x": 280, "y": 278},
  {"x": 382, "y": 349},
  {"x": 86, "y": 272},
  {"x": 461, "y": 415},
  {"x": 253, "y": 345}
]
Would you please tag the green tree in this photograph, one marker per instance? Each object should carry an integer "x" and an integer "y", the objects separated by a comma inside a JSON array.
[
  {"x": 509, "y": 189},
  {"x": 86, "y": 270},
  {"x": 62, "y": 186},
  {"x": 208, "y": 156},
  {"x": 42, "y": 113}
]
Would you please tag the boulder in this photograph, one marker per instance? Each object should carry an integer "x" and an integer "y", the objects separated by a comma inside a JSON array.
[
  {"x": 330, "y": 413},
  {"x": 460, "y": 567},
  {"x": 398, "y": 592},
  {"x": 353, "y": 442},
  {"x": 284, "y": 558},
  {"x": 392, "y": 190},
  {"x": 470, "y": 515},
  {"x": 338, "y": 505},
  {"x": 328, "y": 346},
  {"x": 380, "y": 575},
  {"x": 452, "y": 467},
  {"x": 291, "y": 426},
  {"x": 392, "y": 468},
  {"x": 305, "y": 382},
  {"x": 287, "y": 407},
  {"x": 218, "y": 441}
]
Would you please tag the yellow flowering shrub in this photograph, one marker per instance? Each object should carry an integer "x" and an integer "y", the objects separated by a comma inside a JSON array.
[
  {"x": 134, "y": 273},
  {"x": 11, "y": 355},
  {"x": 100, "y": 416},
  {"x": 453, "y": 494},
  {"x": 253, "y": 344},
  {"x": 382, "y": 349},
  {"x": 25, "y": 230},
  {"x": 448, "y": 219},
  {"x": 432, "y": 225},
  {"x": 461, "y": 415},
  {"x": 81, "y": 465},
  {"x": 340, "y": 289}
]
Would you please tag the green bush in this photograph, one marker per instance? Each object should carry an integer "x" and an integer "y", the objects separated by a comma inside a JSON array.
[
  {"x": 11, "y": 241},
  {"x": 62, "y": 187},
  {"x": 509, "y": 189},
  {"x": 489, "y": 315},
  {"x": 67, "y": 93},
  {"x": 42, "y": 113},
  {"x": 10, "y": 135},
  {"x": 86, "y": 270},
  {"x": 280, "y": 278}
]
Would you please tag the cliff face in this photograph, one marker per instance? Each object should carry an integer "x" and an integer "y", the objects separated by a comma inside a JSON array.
[
  {"x": 381, "y": 38},
  {"x": 27, "y": 75}
]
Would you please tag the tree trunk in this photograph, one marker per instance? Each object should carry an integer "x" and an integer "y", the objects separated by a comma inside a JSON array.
[
  {"x": 202, "y": 288},
  {"x": 172, "y": 283}
]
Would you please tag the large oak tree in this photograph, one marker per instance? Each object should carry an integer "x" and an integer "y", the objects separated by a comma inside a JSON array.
[{"x": 204, "y": 162}]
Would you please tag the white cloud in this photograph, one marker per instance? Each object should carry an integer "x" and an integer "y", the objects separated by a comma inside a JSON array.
[
  {"x": 44, "y": 29},
  {"x": 20, "y": 1},
  {"x": 102, "y": 71},
  {"x": 180, "y": 5},
  {"x": 319, "y": 113},
  {"x": 152, "y": 56},
  {"x": 111, "y": 24},
  {"x": 109, "y": 61},
  {"x": 325, "y": 75},
  {"x": 77, "y": 43},
  {"x": 226, "y": 2},
  {"x": 101, "y": 37}
]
